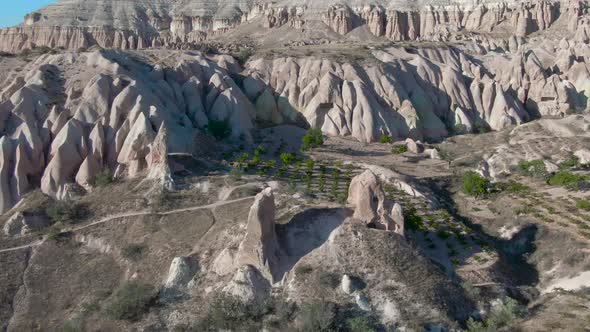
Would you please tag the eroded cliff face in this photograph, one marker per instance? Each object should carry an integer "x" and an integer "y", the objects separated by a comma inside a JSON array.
[
  {"x": 67, "y": 117},
  {"x": 152, "y": 24}
]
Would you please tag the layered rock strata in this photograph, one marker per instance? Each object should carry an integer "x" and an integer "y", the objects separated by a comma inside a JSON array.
[{"x": 125, "y": 25}]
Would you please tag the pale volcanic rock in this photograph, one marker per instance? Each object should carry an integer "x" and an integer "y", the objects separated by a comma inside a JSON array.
[
  {"x": 21, "y": 224},
  {"x": 6, "y": 155},
  {"x": 135, "y": 148},
  {"x": 96, "y": 99},
  {"x": 371, "y": 206},
  {"x": 249, "y": 285},
  {"x": 95, "y": 160},
  {"x": 68, "y": 151},
  {"x": 339, "y": 18},
  {"x": 583, "y": 156},
  {"x": 181, "y": 272},
  {"x": 414, "y": 146},
  {"x": 259, "y": 247},
  {"x": 157, "y": 159},
  {"x": 114, "y": 24}
]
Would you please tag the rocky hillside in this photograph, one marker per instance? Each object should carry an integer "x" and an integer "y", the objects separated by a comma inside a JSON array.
[
  {"x": 356, "y": 165},
  {"x": 74, "y": 24},
  {"x": 68, "y": 116}
]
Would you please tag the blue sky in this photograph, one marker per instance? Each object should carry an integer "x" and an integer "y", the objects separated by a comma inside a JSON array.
[{"x": 13, "y": 11}]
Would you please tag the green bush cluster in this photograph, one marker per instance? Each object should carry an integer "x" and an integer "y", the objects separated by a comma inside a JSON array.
[
  {"x": 500, "y": 316},
  {"x": 317, "y": 316},
  {"x": 412, "y": 220},
  {"x": 131, "y": 300},
  {"x": 583, "y": 204},
  {"x": 399, "y": 149},
  {"x": 361, "y": 324},
  {"x": 534, "y": 168},
  {"x": 229, "y": 313},
  {"x": 572, "y": 161},
  {"x": 513, "y": 187},
  {"x": 385, "y": 139},
  {"x": 65, "y": 211},
  {"x": 134, "y": 252},
  {"x": 475, "y": 185},
  {"x": 103, "y": 178},
  {"x": 568, "y": 180},
  {"x": 312, "y": 139}
]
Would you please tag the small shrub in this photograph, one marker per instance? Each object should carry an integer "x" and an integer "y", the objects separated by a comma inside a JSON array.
[
  {"x": 229, "y": 313},
  {"x": 475, "y": 185},
  {"x": 335, "y": 182},
  {"x": 583, "y": 204},
  {"x": 162, "y": 201},
  {"x": 360, "y": 324},
  {"x": 385, "y": 139},
  {"x": 317, "y": 316},
  {"x": 287, "y": 158},
  {"x": 241, "y": 160},
  {"x": 568, "y": 180},
  {"x": 303, "y": 270},
  {"x": 220, "y": 129},
  {"x": 499, "y": 317},
  {"x": 134, "y": 252},
  {"x": 412, "y": 221},
  {"x": 399, "y": 149},
  {"x": 254, "y": 162},
  {"x": 313, "y": 138},
  {"x": 571, "y": 162},
  {"x": 534, "y": 168},
  {"x": 260, "y": 150},
  {"x": 513, "y": 187},
  {"x": 131, "y": 301},
  {"x": 243, "y": 55},
  {"x": 54, "y": 233},
  {"x": 103, "y": 178},
  {"x": 65, "y": 211},
  {"x": 329, "y": 280},
  {"x": 235, "y": 173}
]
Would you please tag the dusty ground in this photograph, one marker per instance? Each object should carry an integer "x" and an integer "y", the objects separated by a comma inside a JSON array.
[{"x": 484, "y": 244}]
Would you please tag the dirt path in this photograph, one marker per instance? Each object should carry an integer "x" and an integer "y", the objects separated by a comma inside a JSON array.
[{"x": 131, "y": 214}]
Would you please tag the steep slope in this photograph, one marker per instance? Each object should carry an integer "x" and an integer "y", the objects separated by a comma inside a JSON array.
[
  {"x": 74, "y": 24},
  {"x": 66, "y": 117}
]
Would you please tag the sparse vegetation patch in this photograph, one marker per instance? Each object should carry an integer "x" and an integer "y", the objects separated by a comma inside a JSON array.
[
  {"x": 131, "y": 300},
  {"x": 475, "y": 185}
]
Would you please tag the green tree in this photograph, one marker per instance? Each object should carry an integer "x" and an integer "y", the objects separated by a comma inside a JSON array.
[
  {"x": 399, "y": 149},
  {"x": 313, "y": 138},
  {"x": 475, "y": 185},
  {"x": 568, "y": 180},
  {"x": 533, "y": 168},
  {"x": 335, "y": 182},
  {"x": 287, "y": 158},
  {"x": 385, "y": 139}
]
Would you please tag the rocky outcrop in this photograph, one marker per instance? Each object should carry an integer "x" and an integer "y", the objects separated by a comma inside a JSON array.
[
  {"x": 339, "y": 18},
  {"x": 260, "y": 247},
  {"x": 185, "y": 25},
  {"x": 371, "y": 206},
  {"x": 248, "y": 285},
  {"x": 157, "y": 159},
  {"x": 59, "y": 132},
  {"x": 21, "y": 224},
  {"x": 182, "y": 270}
]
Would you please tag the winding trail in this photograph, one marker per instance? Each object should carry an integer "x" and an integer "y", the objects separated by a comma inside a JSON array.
[{"x": 131, "y": 214}]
